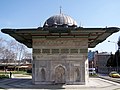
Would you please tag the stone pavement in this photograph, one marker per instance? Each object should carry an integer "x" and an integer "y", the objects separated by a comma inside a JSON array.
[
  {"x": 19, "y": 83},
  {"x": 110, "y": 78}
]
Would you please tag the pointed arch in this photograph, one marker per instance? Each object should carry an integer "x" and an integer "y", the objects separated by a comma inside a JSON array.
[
  {"x": 60, "y": 74},
  {"x": 43, "y": 76},
  {"x": 77, "y": 75}
]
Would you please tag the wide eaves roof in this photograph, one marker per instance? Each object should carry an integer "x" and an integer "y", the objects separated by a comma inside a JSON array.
[{"x": 94, "y": 35}]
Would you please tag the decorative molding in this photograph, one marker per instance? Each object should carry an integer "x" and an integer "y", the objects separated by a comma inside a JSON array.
[{"x": 61, "y": 42}]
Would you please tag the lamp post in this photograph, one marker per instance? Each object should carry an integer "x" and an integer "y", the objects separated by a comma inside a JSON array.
[
  {"x": 116, "y": 55},
  {"x": 92, "y": 64},
  {"x": 92, "y": 68},
  {"x": 114, "y": 43}
]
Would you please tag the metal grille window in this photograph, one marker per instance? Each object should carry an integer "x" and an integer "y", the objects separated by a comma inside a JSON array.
[
  {"x": 36, "y": 50},
  {"x": 55, "y": 51},
  {"x": 83, "y": 50},
  {"x": 45, "y": 50},
  {"x": 73, "y": 50},
  {"x": 64, "y": 50}
]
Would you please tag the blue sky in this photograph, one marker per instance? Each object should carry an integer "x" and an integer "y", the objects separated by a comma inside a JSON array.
[{"x": 88, "y": 13}]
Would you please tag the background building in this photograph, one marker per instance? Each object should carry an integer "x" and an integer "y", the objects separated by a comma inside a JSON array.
[
  {"x": 100, "y": 62},
  {"x": 91, "y": 58}
]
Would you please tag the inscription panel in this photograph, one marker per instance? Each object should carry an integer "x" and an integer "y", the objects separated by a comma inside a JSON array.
[
  {"x": 59, "y": 57},
  {"x": 60, "y": 42}
]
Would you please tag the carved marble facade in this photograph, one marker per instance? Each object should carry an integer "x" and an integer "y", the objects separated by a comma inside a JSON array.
[
  {"x": 60, "y": 49},
  {"x": 60, "y": 60}
]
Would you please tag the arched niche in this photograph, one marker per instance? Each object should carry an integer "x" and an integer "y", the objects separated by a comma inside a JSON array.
[
  {"x": 60, "y": 75},
  {"x": 43, "y": 76}
]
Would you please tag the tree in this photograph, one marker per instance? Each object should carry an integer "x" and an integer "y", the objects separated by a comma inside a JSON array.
[
  {"x": 12, "y": 51},
  {"x": 111, "y": 61},
  {"x": 2, "y": 47},
  {"x": 21, "y": 52}
]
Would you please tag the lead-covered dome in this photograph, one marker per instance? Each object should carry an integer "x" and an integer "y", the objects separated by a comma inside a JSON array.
[{"x": 60, "y": 20}]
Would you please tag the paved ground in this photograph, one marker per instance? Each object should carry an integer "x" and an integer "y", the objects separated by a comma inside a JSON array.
[
  {"x": 110, "y": 78},
  {"x": 26, "y": 83}
]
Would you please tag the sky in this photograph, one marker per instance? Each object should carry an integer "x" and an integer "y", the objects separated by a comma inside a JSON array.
[{"x": 87, "y": 13}]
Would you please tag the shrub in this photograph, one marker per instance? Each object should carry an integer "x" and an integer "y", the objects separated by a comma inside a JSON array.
[
  {"x": 29, "y": 71},
  {"x": 93, "y": 75},
  {"x": 4, "y": 76}
]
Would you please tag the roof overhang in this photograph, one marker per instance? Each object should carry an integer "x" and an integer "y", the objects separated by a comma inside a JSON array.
[{"x": 94, "y": 35}]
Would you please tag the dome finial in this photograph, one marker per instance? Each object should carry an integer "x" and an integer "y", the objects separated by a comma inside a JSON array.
[{"x": 60, "y": 9}]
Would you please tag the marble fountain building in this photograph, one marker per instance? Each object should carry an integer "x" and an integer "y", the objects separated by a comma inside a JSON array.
[{"x": 60, "y": 49}]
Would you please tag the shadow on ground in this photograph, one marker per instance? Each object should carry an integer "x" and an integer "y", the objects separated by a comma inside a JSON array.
[
  {"x": 18, "y": 83},
  {"x": 46, "y": 87}
]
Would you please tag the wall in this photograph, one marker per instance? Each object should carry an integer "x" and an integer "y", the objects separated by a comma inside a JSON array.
[{"x": 60, "y": 60}]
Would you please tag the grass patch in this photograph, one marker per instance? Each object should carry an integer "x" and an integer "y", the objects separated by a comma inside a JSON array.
[
  {"x": 14, "y": 72},
  {"x": 19, "y": 72},
  {"x": 3, "y": 72},
  {"x": 27, "y": 74},
  {"x": 93, "y": 75},
  {"x": 21, "y": 76}
]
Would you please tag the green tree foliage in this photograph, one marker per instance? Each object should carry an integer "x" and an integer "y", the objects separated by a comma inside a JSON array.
[{"x": 114, "y": 60}]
